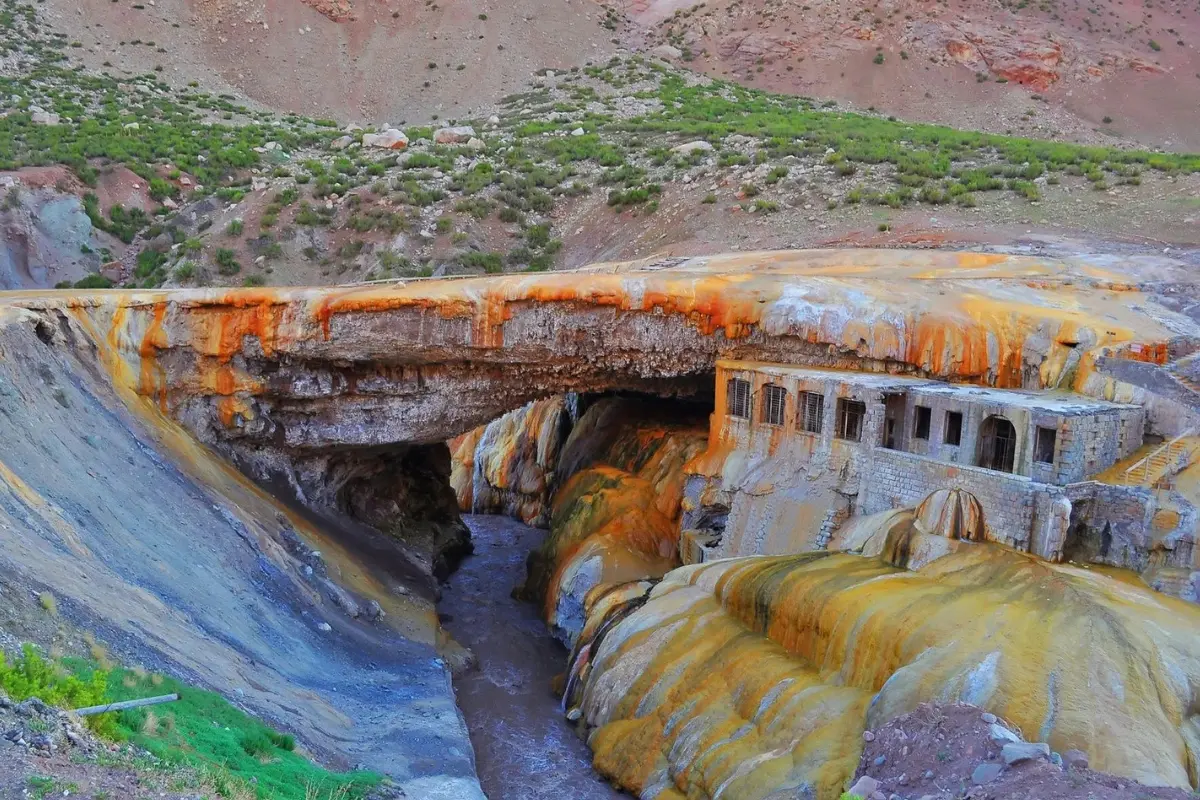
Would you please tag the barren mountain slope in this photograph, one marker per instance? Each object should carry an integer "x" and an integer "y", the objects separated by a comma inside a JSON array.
[
  {"x": 370, "y": 62},
  {"x": 1053, "y": 68}
]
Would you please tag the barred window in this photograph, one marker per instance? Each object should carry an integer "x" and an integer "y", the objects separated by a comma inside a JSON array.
[
  {"x": 850, "y": 415},
  {"x": 737, "y": 398},
  {"x": 810, "y": 411},
  {"x": 774, "y": 401}
]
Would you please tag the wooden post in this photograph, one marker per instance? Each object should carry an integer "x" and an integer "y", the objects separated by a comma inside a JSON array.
[{"x": 124, "y": 704}]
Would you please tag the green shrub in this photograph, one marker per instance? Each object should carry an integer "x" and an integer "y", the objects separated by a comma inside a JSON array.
[
  {"x": 227, "y": 263},
  {"x": 235, "y": 228},
  {"x": 94, "y": 281},
  {"x": 489, "y": 262},
  {"x": 30, "y": 675}
]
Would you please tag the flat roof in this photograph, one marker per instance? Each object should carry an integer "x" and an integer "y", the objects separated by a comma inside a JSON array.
[{"x": 1058, "y": 402}]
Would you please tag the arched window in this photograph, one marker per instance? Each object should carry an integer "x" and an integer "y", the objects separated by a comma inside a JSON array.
[
  {"x": 997, "y": 444},
  {"x": 774, "y": 400},
  {"x": 737, "y": 398}
]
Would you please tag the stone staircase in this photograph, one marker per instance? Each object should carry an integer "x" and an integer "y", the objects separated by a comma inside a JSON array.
[{"x": 1164, "y": 462}]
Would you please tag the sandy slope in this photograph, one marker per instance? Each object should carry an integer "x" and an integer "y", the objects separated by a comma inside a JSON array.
[{"x": 371, "y": 68}]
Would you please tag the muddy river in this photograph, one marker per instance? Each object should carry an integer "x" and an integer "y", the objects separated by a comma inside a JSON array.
[{"x": 524, "y": 748}]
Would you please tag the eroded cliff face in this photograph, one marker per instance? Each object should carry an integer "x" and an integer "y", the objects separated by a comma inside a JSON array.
[
  {"x": 615, "y": 515},
  {"x": 755, "y": 676},
  {"x": 604, "y": 475},
  {"x": 509, "y": 465},
  {"x": 180, "y": 563}
]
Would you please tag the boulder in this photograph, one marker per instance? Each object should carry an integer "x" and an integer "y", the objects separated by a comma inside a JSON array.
[
  {"x": 698, "y": 146},
  {"x": 1002, "y": 734},
  {"x": 341, "y": 143},
  {"x": 1075, "y": 759},
  {"x": 1016, "y": 752},
  {"x": 667, "y": 51},
  {"x": 864, "y": 786},
  {"x": 476, "y": 144},
  {"x": 986, "y": 773},
  {"x": 388, "y": 139},
  {"x": 460, "y": 134},
  {"x": 113, "y": 270},
  {"x": 42, "y": 117}
]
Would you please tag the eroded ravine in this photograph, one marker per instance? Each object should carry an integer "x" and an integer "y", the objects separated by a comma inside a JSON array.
[{"x": 524, "y": 747}]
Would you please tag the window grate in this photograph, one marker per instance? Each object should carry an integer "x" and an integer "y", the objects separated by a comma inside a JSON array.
[
  {"x": 774, "y": 401},
  {"x": 810, "y": 411},
  {"x": 737, "y": 398},
  {"x": 850, "y": 415}
]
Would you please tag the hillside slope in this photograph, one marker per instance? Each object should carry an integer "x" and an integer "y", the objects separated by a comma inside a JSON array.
[
  {"x": 369, "y": 62},
  {"x": 1087, "y": 71},
  {"x": 330, "y": 637}
]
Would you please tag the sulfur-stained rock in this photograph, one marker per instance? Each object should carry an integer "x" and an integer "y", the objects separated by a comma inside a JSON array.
[
  {"x": 766, "y": 659},
  {"x": 615, "y": 517}
]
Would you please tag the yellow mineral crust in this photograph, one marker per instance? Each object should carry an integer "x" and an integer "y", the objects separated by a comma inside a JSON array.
[
  {"x": 746, "y": 676},
  {"x": 509, "y": 464},
  {"x": 612, "y": 524}
]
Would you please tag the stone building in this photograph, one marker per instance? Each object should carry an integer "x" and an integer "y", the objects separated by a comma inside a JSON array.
[{"x": 795, "y": 451}]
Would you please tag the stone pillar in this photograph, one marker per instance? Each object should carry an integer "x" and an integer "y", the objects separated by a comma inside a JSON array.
[{"x": 1051, "y": 519}]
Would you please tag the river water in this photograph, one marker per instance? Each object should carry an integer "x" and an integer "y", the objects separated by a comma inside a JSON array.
[{"x": 524, "y": 748}]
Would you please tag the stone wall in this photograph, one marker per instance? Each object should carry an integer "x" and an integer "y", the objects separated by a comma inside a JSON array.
[{"x": 903, "y": 479}]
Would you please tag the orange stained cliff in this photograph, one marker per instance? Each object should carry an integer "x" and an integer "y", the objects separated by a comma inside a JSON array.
[{"x": 984, "y": 318}]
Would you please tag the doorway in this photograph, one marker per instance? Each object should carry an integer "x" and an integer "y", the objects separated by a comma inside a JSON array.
[{"x": 997, "y": 444}]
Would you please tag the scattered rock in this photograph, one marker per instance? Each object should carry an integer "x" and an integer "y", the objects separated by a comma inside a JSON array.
[
  {"x": 699, "y": 146},
  {"x": 864, "y": 786},
  {"x": 986, "y": 773},
  {"x": 1016, "y": 752},
  {"x": 868, "y": 736},
  {"x": 388, "y": 139},
  {"x": 40, "y": 116},
  {"x": 1002, "y": 734},
  {"x": 457, "y": 135}
]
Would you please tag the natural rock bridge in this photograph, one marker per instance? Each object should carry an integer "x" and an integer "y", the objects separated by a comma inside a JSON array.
[{"x": 422, "y": 361}]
